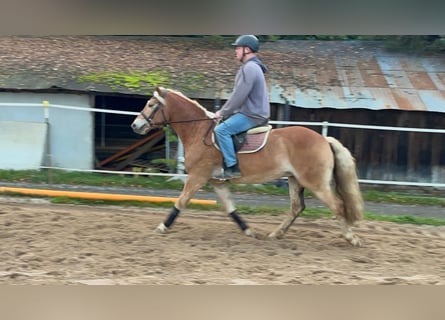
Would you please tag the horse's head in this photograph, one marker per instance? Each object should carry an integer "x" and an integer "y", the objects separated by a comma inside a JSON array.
[{"x": 152, "y": 115}]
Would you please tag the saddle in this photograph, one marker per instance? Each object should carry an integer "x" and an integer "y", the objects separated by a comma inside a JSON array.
[{"x": 249, "y": 141}]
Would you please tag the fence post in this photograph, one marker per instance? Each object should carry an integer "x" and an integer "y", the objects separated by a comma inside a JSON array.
[
  {"x": 324, "y": 129},
  {"x": 217, "y": 105},
  {"x": 180, "y": 158},
  {"x": 179, "y": 162},
  {"x": 48, "y": 141}
]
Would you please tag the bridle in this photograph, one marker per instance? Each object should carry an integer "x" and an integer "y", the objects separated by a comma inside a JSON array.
[
  {"x": 149, "y": 118},
  {"x": 165, "y": 122},
  {"x": 156, "y": 108}
]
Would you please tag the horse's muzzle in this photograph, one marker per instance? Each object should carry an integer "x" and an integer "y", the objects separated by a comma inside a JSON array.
[{"x": 140, "y": 126}]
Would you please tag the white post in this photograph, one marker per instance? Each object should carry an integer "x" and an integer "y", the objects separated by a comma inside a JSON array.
[
  {"x": 179, "y": 162},
  {"x": 180, "y": 158},
  {"x": 324, "y": 130},
  {"x": 48, "y": 141}
]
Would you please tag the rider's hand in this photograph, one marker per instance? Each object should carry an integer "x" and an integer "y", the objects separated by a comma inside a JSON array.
[{"x": 218, "y": 114}]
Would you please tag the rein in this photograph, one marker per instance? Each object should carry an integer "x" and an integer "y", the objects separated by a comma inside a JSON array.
[{"x": 149, "y": 119}]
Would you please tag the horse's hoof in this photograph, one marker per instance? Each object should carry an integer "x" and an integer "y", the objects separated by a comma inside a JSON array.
[
  {"x": 275, "y": 235},
  {"x": 250, "y": 233},
  {"x": 354, "y": 241},
  {"x": 161, "y": 229}
]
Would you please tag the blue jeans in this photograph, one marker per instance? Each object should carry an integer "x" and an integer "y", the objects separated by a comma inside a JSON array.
[{"x": 235, "y": 124}]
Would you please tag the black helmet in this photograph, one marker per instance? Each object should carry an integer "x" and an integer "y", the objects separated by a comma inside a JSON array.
[{"x": 247, "y": 41}]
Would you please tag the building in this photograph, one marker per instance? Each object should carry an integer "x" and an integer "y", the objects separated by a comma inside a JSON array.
[{"x": 350, "y": 82}]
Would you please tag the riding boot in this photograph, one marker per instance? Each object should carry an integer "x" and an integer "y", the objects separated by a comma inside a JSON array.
[
  {"x": 229, "y": 173},
  {"x": 232, "y": 172}
]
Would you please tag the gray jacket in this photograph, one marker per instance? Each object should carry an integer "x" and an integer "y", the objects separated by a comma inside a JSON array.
[{"x": 249, "y": 94}]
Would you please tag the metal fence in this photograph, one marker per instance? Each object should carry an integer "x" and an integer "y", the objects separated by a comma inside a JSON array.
[{"x": 45, "y": 105}]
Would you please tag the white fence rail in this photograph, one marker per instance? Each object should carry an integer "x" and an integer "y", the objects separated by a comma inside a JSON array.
[{"x": 324, "y": 124}]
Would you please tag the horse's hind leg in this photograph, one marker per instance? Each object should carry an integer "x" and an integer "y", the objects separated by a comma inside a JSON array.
[
  {"x": 338, "y": 208},
  {"x": 296, "y": 193},
  {"x": 225, "y": 196}
]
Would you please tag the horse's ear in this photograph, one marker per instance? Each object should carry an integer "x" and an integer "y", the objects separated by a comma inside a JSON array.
[
  {"x": 160, "y": 90},
  {"x": 160, "y": 94}
]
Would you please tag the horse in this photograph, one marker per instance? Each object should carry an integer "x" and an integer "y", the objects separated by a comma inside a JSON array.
[{"x": 308, "y": 160}]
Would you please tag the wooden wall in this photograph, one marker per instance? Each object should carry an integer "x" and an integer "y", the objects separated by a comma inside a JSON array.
[{"x": 381, "y": 154}]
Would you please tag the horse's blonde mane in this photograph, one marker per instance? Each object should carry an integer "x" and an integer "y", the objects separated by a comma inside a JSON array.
[{"x": 196, "y": 103}]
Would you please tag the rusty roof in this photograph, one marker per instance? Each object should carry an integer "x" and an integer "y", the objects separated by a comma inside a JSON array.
[
  {"x": 309, "y": 74},
  {"x": 347, "y": 75}
]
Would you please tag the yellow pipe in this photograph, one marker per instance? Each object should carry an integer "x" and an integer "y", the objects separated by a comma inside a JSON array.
[{"x": 97, "y": 196}]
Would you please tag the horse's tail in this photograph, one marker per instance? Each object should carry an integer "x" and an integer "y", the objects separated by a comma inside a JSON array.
[{"x": 346, "y": 181}]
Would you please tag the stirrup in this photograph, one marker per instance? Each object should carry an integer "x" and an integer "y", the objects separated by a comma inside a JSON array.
[{"x": 227, "y": 173}]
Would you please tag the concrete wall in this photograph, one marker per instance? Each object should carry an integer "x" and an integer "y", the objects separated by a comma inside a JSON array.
[
  {"x": 71, "y": 131},
  {"x": 22, "y": 144}
]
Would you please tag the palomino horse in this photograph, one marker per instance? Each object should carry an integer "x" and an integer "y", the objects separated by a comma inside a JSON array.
[{"x": 305, "y": 157}]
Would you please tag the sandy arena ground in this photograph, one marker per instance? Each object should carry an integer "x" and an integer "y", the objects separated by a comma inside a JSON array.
[{"x": 44, "y": 243}]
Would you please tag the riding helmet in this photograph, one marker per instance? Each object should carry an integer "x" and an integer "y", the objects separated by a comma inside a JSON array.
[{"x": 247, "y": 41}]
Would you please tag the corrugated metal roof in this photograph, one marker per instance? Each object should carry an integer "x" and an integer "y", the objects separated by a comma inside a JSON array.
[
  {"x": 360, "y": 76},
  {"x": 380, "y": 82}
]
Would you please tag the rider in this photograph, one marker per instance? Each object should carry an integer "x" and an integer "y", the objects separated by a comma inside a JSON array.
[{"x": 247, "y": 107}]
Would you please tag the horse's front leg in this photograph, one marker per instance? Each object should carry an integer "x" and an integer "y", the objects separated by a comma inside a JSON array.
[
  {"x": 225, "y": 196},
  {"x": 191, "y": 186}
]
